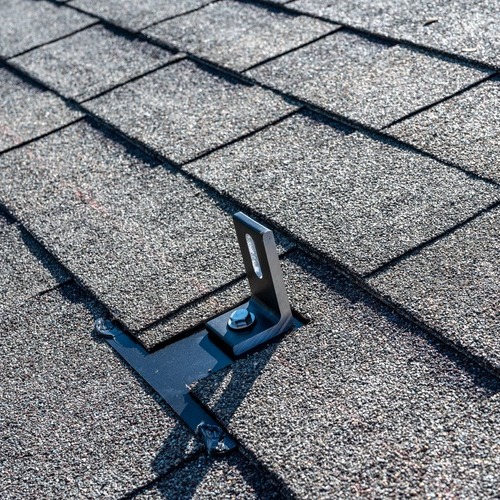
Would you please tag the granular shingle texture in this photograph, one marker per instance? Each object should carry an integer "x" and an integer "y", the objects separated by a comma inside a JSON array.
[
  {"x": 231, "y": 477},
  {"x": 182, "y": 111},
  {"x": 26, "y": 24},
  {"x": 367, "y": 82},
  {"x": 358, "y": 200},
  {"x": 26, "y": 270},
  {"x": 246, "y": 34},
  {"x": 459, "y": 27},
  {"x": 143, "y": 238},
  {"x": 358, "y": 403},
  {"x": 195, "y": 314},
  {"x": 91, "y": 62},
  {"x": 135, "y": 15},
  {"x": 464, "y": 130},
  {"x": 454, "y": 286},
  {"x": 28, "y": 111},
  {"x": 74, "y": 420}
]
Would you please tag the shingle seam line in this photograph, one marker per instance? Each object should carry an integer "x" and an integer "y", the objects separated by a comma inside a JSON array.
[
  {"x": 417, "y": 249},
  {"x": 169, "y": 18},
  {"x": 64, "y": 283},
  {"x": 440, "y": 101},
  {"x": 241, "y": 138},
  {"x": 374, "y": 133},
  {"x": 161, "y": 477},
  {"x": 283, "y": 489},
  {"x": 41, "y": 136},
  {"x": 293, "y": 49},
  {"x": 198, "y": 300},
  {"x": 175, "y": 59}
]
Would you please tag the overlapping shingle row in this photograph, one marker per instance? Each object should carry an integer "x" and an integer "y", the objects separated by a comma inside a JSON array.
[{"x": 375, "y": 155}]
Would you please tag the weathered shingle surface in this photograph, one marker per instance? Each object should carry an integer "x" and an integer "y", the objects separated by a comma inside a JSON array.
[
  {"x": 463, "y": 130},
  {"x": 454, "y": 285},
  {"x": 178, "y": 110},
  {"x": 122, "y": 225},
  {"x": 364, "y": 134},
  {"x": 26, "y": 270},
  {"x": 27, "y": 24},
  {"x": 74, "y": 420},
  {"x": 233, "y": 477},
  {"x": 360, "y": 397},
  {"x": 91, "y": 61},
  {"x": 459, "y": 27},
  {"x": 359, "y": 200},
  {"x": 28, "y": 111},
  {"x": 135, "y": 15}
]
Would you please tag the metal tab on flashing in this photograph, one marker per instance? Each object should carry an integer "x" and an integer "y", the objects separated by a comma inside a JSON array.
[{"x": 171, "y": 370}]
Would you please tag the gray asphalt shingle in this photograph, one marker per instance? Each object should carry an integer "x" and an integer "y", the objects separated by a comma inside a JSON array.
[
  {"x": 25, "y": 269},
  {"x": 367, "y": 82},
  {"x": 182, "y": 111},
  {"x": 231, "y": 477},
  {"x": 454, "y": 286},
  {"x": 459, "y": 27},
  {"x": 28, "y": 111},
  {"x": 27, "y": 24},
  {"x": 135, "y": 15},
  {"x": 246, "y": 34},
  {"x": 74, "y": 420},
  {"x": 90, "y": 62},
  {"x": 361, "y": 201},
  {"x": 143, "y": 238},
  {"x": 359, "y": 403},
  {"x": 463, "y": 130}
]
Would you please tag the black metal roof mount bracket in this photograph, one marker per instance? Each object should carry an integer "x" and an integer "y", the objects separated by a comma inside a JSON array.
[{"x": 267, "y": 313}]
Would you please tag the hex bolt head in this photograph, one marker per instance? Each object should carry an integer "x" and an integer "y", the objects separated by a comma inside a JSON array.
[{"x": 241, "y": 319}]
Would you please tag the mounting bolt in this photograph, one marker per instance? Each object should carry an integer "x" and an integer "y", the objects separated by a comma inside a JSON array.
[{"x": 240, "y": 319}]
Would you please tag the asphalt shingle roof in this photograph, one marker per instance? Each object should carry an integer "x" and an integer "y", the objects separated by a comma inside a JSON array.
[
  {"x": 460, "y": 27},
  {"x": 26, "y": 269},
  {"x": 137, "y": 15},
  {"x": 454, "y": 286},
  {"x": 364, "y": 134},
  {"x": 68, "y": 405},
  {"x": 361, "y": 201},
  {"x": 391, "y": 82},
  {"x": 28, "y": 111}
]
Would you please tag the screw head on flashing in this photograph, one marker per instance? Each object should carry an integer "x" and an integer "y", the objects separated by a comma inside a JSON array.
[
  {"x": 104, "y": 327},
  {"x": 240, "y": 319}
]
